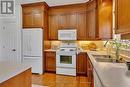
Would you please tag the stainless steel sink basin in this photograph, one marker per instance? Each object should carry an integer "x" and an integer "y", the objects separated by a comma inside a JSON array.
[
  {"x": 104, "y": 60},
  {"x": 102, "y": 56}
]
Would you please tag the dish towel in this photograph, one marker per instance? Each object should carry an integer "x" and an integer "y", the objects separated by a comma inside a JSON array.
[{"x": 34, "y": 85}]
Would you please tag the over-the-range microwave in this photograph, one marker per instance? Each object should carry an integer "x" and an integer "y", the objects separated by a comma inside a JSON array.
[{"x": 65, "y": 34}]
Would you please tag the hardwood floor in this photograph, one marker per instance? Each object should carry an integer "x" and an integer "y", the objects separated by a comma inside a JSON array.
[{"x": 53, "y": 80}]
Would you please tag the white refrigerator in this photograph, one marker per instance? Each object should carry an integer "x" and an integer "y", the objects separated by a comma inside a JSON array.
[{"x": 32, "y": 44}]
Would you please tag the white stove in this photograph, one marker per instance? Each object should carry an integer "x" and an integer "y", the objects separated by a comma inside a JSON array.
[
  {"x": 66, "y": 51},
  {"x": 66, "y": 59}
]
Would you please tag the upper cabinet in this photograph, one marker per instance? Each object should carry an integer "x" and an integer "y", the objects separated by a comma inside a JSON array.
[
  {"x": 91, "y": 21},
  {"x": 122, "y": 15},
  {"x": 81, "y": 17},
  {"x": 35, "y": 15},
  {"x": 68, "y": 20},
  {"x": 81, "y": 25},
  {"x": 87, "y": 18},
  {"x": 53, "y": 27},
  {"x": 104, "y": 11}
]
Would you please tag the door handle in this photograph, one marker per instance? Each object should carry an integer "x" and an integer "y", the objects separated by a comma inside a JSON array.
[{"x": 13, "y": 49}]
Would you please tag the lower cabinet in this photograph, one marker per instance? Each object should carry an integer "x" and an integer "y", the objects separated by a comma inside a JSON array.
[
  {"x": 90, "y": 73},
  {"x": 81, "y": 64},
  {"x": 50, "y": 61}
]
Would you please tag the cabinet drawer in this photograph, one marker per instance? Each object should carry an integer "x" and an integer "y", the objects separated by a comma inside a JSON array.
[{"x": 50, "y": 54}]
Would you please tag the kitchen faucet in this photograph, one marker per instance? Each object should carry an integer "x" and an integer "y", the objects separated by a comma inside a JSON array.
[
  {"x": 108, "y": 49},
  {"x": 106, "y": 43}
]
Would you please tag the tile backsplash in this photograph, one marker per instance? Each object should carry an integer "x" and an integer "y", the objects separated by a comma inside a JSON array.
[
  {"x": 82, "y": 44},
  {"x": 55, "y": 45}
]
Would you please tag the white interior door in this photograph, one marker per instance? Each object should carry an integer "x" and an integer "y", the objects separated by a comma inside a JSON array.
[{"x": 10, "y": 42}]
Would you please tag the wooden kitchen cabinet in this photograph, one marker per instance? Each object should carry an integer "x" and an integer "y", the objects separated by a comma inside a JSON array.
[
  {"x": 72, "y": 19},
  {"x": 28, "y": 19},
  {"x": 34, "y": 15},
  {"x": 104, "y": 9},
  {"x": 122, "y": 15},
  {"x": 87, "y": 27},
  {"x": 50, "y": 61},
  {"x": 81, "y": 25},
  {"x": 68, "y": 21},
  {"x": 53, "y": 27},
  {"x": 88, "y": 19},
  {"x": 91, "y": 24},
  {"x": 69, "y": 17},
  {"x": 81, "y": 64},
  {"x": 62, "y": 21},
  {"x": 91, "y": 20},
  {"x": 37, "y": 16}
]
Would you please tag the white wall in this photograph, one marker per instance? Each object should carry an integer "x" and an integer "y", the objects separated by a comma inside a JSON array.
[
  {"x": 0, "y": 40},
  {"x": 28, "y": 1}
]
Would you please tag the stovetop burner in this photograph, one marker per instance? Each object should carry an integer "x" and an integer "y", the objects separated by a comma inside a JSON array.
[
  {"x": 62, "y": 49},
  {"x": 67, "y": 49},
  {"x": 72, "y": 50}
]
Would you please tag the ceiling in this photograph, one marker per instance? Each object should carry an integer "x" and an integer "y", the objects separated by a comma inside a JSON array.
[
  {"x": 63, "y": 2},
  {"x": 54, "y": 2}
]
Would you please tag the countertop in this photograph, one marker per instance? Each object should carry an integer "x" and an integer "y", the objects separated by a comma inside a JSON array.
[
  {"x": 51, "y": 50},
  {"x": 111, "y": 74},
  {"x": 9, "y": 70}
]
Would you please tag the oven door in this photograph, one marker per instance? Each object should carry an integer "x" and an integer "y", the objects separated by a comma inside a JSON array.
[{"x": 66, "y": 61}]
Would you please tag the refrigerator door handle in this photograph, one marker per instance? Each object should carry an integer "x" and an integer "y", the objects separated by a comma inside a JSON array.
[{"x": 30, "y": 56}]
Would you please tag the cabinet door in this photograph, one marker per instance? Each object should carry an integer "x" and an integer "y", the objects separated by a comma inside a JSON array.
[
  {"x": 122, "y": 16},
  {"x": 82, "y": 64},
  {"x": 81, "y": 26},
  {"x": 53, "y": 27},
  {"x": 33, "y": 16},
  {"x": 27, "y": 20},
  {"x": 37, "y": 18},
  {"x": 63, "y": 21},
  {"x": 68, "y": 21},
  {"x": 50, "y": 61},
  {"x": 105, "y": 19},
  {"x": 72, "y": 20},
  {"x": 91, "y": 24}
]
